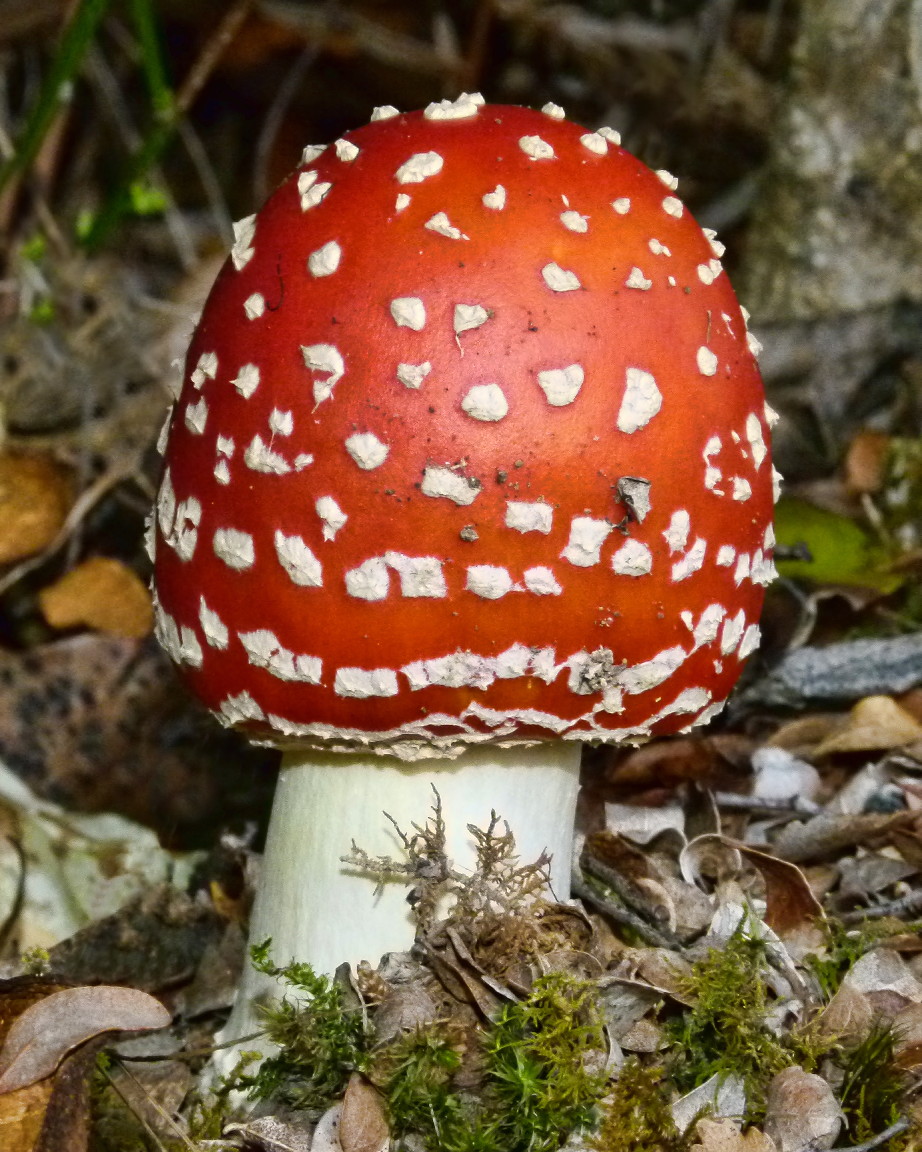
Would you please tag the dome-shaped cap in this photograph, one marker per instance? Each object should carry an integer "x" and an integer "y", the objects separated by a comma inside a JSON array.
[{"x": 471, "y": 445}]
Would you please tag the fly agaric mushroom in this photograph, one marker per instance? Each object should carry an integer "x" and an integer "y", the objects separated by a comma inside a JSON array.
[{"x": 469, "y": 466}]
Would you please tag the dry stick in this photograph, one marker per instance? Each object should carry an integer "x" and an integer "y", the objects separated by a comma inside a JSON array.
[
  {"x": 881, "y": 1138},
  {"x": 795, "y": 807},
  {"x": 275, "y": 113},
  {"x": 905, "y": 906},
  {"x": 623, "y": 889},
  {"x": 215, "y": 48},
  {"x": 158, "y": 1107},
  {"x": 621, "y": 915}
]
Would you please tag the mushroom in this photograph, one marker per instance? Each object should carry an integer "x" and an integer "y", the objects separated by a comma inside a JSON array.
[{"x": 469, "y": 466}]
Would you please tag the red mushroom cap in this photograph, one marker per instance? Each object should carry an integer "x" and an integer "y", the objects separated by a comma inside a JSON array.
[{"x": 471, "y": 445}]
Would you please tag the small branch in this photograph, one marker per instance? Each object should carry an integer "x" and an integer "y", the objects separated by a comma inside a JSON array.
[
  {"x": 762, "y": 806},
  {"x": 625, "y": 891},
  {"x": 881, "y": 1138},
  {"x": 622, "y": 915},
  {"x": 905, "y": 906}
]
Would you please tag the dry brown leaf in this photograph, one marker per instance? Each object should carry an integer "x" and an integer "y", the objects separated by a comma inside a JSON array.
[
  {"x": 52, "y": 1115},
  {"x": 45, "y": 1032},
  {"x": 103, "y": 594},
  {"x": 875, "y": 724},
  {"x": 848, "y": 1015},
  {"x": 35, "y": 496},
  {"x": 363, "y": 1123},
  {"x": 801, "y": 735},
  {"x": 792, "y": 911},
  {"x": 908, "y": 1037},
  {"x": 802, "y": 1112},
  {"x": 725, "y": 1136}
]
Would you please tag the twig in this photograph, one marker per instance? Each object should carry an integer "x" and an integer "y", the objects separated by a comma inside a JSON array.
[
  {"x": 881, "y": 1138},
  {"x": 621, "y": 915},
  {"x": 275, "y": 113},
  {"x": 794, "y": 807},
  {"x": 623, "y": 889},
  {"x": 905, "y": 906}
]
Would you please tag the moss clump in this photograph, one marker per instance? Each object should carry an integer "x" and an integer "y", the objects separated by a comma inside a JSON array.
[
  {"x": 724, "y": 1032},
  {"x": 873, "y": 1093},
  {"x": 846, "y": 944},
  {"x": 638, "y": 1114},
  {"x": 320, "y": 1040},
  {"x": 537, "y": 1064},
  {"x": 536, "y": 1086}
]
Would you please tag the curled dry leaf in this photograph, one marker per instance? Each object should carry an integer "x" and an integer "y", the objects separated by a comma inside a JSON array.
[
  {"x": 709, "y": 858},
  {"x": 42, "y": 1036},
  {"x": 802, "y": 1112},
  {"x": 792, "y": 911},
  {"x": 35, "y": 496},
  {"x": 641, "y": 825},
  {"x": 103, "y": 594}
]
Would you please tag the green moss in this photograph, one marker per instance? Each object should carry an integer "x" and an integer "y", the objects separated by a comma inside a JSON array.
[
  {"x": 536, "y": 1085},
  {"x": 638, "y": 1113},
  {"x": 320, "y": 1041},
  {"x": 536, "y": 1062},
  {"x": 873, "y": 1092},
  {"x": 724, "y": 1032},
  {"x": 848, "y": 943},
  {"x": 415, "y": 1073}
]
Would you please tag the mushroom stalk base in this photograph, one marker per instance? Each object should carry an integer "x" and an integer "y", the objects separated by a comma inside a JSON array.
[{"x": 319, "y": 910}]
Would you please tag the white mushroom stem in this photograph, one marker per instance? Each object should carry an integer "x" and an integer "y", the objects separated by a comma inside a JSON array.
[{"x": 319, "y": 910}]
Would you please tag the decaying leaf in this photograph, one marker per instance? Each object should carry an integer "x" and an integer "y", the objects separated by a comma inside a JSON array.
[
  {"x": 22, "y": 1115},
  {"x": 102, "y": 594},
  {"x": 725, "y": 1136},
  {"x": 865, "y": 462},
  {"x": 721, "y": 1096},
  {"x": 886, "y": 979},
  {"x": 848, "y": 1015},
  {"x": 42, "y": 1036},
  {"x": 278, "y": 1133},
  {"x": 792, "y": 911},
  {"x": 829, "y": 833},
  {"x": 363, "y": 1123},
  {"x": 802, "y": 1112}
]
